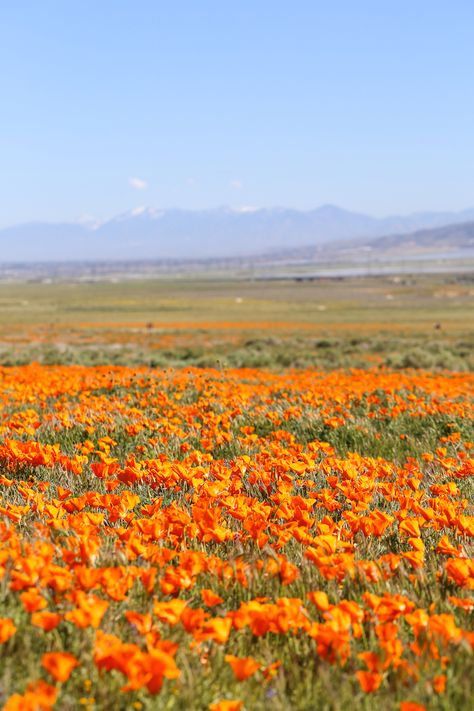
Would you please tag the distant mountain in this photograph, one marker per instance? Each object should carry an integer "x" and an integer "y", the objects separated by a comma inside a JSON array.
[
  {"x": 146, "y": 233},
  {"x": 450, "y": 237},
  {"x": 455, "y": 240}
]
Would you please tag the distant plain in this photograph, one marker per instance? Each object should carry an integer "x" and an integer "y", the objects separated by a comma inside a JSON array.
[{"x": 423, "y": 320}]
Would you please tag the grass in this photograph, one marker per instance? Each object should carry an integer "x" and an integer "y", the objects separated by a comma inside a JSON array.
[
  {"x": 423, "y": 321},
  {"x": 420, "y": 299}
]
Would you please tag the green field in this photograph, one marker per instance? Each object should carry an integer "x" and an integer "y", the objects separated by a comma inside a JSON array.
[
  {"x": 405, "y": 300},
  {"x": 421, "y": 320}
]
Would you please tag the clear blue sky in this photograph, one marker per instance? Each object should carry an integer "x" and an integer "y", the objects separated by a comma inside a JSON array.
[{"x": 365, "y": 104}]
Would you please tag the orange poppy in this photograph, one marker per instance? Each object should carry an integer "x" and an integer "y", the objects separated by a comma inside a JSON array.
[
  {"x": 7, "y": 629},
  {"x": 59, "y": 664},
  {"x": 369, "y": 681},
  {"x": 226, "y": 705},
  {"x": 243, "y": 667},
  {"x": 46, "y": 620},
  {"x": 210, "y": 599}
]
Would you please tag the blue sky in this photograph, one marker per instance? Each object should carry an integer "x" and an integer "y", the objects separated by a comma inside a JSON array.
[{"x": 111, "y": 104}]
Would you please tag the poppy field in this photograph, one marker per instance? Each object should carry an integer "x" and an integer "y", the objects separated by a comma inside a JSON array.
[{"x": 235, "y": 539}]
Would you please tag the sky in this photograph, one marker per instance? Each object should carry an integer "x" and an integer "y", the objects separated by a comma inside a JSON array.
[{"x": 107, "y": 105}]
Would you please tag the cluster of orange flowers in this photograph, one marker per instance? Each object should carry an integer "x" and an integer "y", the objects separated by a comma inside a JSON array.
[{"x": 172, "y": 513}]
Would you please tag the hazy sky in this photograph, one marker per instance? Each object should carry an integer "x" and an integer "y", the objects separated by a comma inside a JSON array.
[{"x": 111, "y": 104}]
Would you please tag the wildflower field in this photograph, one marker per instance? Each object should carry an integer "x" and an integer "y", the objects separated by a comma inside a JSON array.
[{"x": 231, "y": 539}]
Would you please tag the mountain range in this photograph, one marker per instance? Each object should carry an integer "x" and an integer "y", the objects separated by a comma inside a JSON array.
[{"x": 147, "y": 233}]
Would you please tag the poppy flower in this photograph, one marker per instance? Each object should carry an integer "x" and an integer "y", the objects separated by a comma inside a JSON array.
[
  {"x": 369, "y": 681},
  {"x": 47, "y": 621},
  {"x": 210, "y": 599},
  {"x": 243, "y": 667},
  {"x": 7, "y": 629},
  {"x": 226, "y": 705},
  {"x": 59, "y": 664}
]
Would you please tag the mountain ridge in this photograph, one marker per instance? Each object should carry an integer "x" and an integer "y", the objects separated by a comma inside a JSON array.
[{"x": 175, "y": 233}]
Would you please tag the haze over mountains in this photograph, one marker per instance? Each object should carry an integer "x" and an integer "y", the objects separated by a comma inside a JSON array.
[{"x": 147, "y": 233}]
